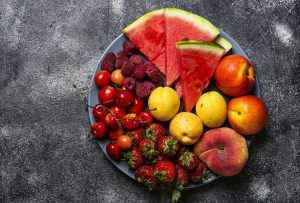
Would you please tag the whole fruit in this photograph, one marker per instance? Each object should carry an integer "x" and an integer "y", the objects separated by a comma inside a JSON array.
[
  {"x": 124, "y": 98},
  {"x": 235, "y": 75},
  {"x": 145, "y": 118},
  {"x": 99, "y": 130},
  {"x": 118, "y": 111},
  {"x": 130, "y": 121},
  {"x": 115, "y": 133},
  {"x": 102, "y": 78},
  {"x": 137, "y": 106},
  {"x": 211, "y": 108},
  {"x": 164, "y": 103},
  {"x": 186, "y": 127},
  {"x": 114, "y": 151},
  {"x": 117, "y": 77},
  {"x": 124, "y": 142},
  {"x": 107, "y": 95},
  {"x": 168, "y": 146},
  {"x": 223, "y": 150},
  {"x": 247, "y": 114},
  {"x": 99, "y": 112},
  {"x": 111, "y": 122}
]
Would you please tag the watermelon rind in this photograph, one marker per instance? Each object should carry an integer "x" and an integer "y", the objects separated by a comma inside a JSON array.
[
  {"x": 141, "y": 20},
  {"x": 200, "y": 45},
  {"x": 224, "y": 43},
  {"x": 197, "y": 20}
]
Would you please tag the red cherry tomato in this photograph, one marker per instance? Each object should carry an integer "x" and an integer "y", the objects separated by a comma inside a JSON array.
[
  {"x": 99, "y": 112},
  {"x": 130, "y": 121},
  {"x": 98, "y": 130},
  {"x": 114, "y": 134},
  {"x": 111, "y": 122},
  {"x": 118, "y": 111},
  {"x": 124, "y": 98},
  {"x": 137, "y": 106},
  {"x": 124, "y": 142},
  {"x": 145, "y": 118},
  {"x": 102, "y": 78},
  {"x": 114, "y": 151},
  {"x": 117, "y": 77},
  {"x": 107, "y": 95}
]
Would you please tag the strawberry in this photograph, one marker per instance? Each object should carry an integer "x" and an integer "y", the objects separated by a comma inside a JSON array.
[
  {"x": 148, "y": 148},
  {"x": 145, "y": 175},
  {"x": 134, "y": 158},
  {"x": 168, "y": 146},
  {"x": 188, "y": 160},
  {"x": 155, "y": 132},
  {"x": 181, "y": 180},
  {"x": 165, "y": 172},
  {"x": 160, "y": 158},
  {"x": 137, "y": 136},
  {"x": 199, "y": 174}
]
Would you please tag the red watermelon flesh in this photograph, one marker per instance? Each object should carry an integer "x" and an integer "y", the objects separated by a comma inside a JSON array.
[
  {"x": 159, "y": 62},
  {"x": 197, "y": 63},
  {"x": 148, "y": 35},
  {"x": 182, "y": 25}
]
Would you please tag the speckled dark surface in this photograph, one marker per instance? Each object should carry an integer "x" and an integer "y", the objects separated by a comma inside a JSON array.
[{"x": 46, "y": 46}]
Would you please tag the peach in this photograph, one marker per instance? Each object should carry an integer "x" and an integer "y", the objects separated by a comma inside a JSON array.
[
  {"x": 234, "y": 75},
  {"x": 223, "y": 150},
  {"x": 247, "y": 114}
]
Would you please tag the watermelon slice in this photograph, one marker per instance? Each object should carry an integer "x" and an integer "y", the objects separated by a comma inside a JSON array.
[
  {"x": 148, "y": 35},
  {"x": 197, "y": 63},
  {"x": 182, "y": 25},
  {"x": 224, "y": 43}
]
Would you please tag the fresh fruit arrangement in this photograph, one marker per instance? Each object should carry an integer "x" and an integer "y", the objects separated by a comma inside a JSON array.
[{"x": 153, "y": 107}]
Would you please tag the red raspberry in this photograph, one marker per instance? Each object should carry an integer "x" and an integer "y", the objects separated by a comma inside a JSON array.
[
  {"x": 143, "y": 89},
  {"x": 121, "y": 59},
  {"x": 129, "y": 48},
  {"x": 140, "y": 71},
  {"x": 109, "y": 62},
  {"x": 136, "y": 59}
]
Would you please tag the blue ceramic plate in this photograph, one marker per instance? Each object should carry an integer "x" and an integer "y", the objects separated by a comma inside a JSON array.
[{"x": 115, "y": 46}]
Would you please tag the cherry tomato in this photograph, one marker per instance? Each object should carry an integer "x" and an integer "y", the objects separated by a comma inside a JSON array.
[
  {"x": 130, "y": 121},
  {"x": 114, "y": 134},
  {"x": 102, "y": 78},
  {"x": 118, "y": 111},
  {"x": 145, "y": 118},
  {"x": 117, "y": 77},
  {"x": 124, "y": 98},
  {"x": 99, "y": 112},
  {"x": 99, "y": 130},
  {"x": 114, "y": 151},
  {"x": 137, "y": 106},
  {"x": 107, "y": 95},
  {"x": 124, "y": 142},
  {"x": 111, "y": 122}
]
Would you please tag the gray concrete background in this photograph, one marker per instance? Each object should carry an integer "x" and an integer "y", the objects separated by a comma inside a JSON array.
[{"x": 46, "y": 46}]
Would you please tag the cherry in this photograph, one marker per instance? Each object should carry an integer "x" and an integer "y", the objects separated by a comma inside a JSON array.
[
  {"x": 114, "y": 151},
  {"x": 99, "y": 112},
  {"x": 118, "y": 111},
  {"x": 145, "y": 118},
  {"x": 107, "y": 95},
  {"x": 130, "y": 121},
  {"x": 137, "y": 106},
  {"x": 99, "y": 130},
  {"x": 114, "y": 134},
  {"x": 110, "y": 121},
  {"x": 124, "y": 98},
  {"x": 102, "y": 78}
]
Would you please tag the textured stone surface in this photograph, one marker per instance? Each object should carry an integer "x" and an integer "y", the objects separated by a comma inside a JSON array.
[{"x": 46, "y": 46}]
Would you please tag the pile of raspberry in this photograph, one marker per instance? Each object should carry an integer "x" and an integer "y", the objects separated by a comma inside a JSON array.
[{"x": 141, "y": 77}]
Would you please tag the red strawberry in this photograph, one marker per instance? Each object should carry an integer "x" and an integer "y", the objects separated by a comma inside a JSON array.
[
  {"x": 148, "y": 148},
  {"x": 188, "y": 160},
  {"x": 199, "y": 174},
  {"x": 137, "y": 136},
  {"x": 182, "y": 175},
  {"x": 145, "y": 175},
  {"x": 134, "y": 158},
  {"x": 160, "y": 158},
  {"x": 168, "y": 146},
  {"x": 155, "y": 132},
  {"x": 165, "y": 172}
]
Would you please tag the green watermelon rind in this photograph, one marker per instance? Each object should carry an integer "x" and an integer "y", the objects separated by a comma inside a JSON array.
[
  {"x": 200, "y": 45},
  {"x": 197, "y": 20},
  {"x": 141, "y": 20},
  {"x": 224, "y": 43}
]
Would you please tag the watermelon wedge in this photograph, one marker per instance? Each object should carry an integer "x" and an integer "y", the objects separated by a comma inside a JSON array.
[
  {"x": 182, "y": 25},
  {"x": 197, "y": 63},
  {"x": 224, "y": 43},
  {"x": 148, "y": 35}
]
